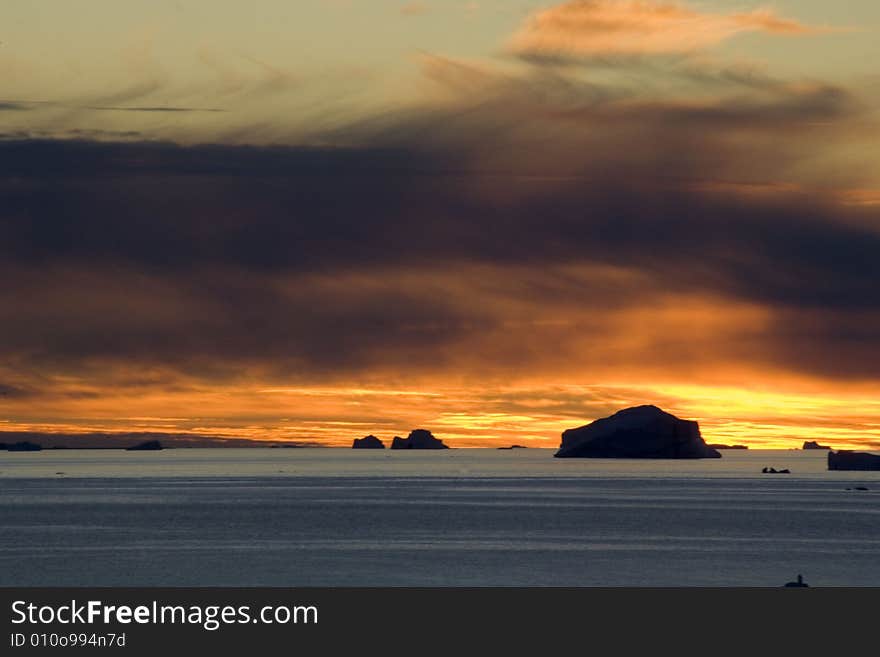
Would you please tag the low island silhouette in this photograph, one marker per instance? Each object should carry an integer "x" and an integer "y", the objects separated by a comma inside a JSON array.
[
  {"x": 147, "y": 446},
  {"x": 23, "y": 446}
]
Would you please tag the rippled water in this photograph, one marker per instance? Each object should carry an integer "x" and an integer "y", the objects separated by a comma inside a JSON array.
[{"x": 334, "y": 517}]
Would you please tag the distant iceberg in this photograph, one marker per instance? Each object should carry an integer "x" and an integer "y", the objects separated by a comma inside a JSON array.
[
  {"x": 418, "y": 439},
  {"x": 368, "y": 442},
  {"x": 845, "y": 459},
  {"x": 642, "y": 432}
]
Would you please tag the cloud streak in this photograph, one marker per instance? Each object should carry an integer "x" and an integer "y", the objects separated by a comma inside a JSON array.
[
  {"x": 156, "y": 108},
  {"x": 22, "y": 106}
]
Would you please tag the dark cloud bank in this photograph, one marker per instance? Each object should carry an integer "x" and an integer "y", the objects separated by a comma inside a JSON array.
[{"x": 427, "y": 230}]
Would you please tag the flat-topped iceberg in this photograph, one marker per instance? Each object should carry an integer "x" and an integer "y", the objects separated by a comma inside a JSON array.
[
  {"x": 845, "y": 459},
  {"x": 642, "y": 432}
]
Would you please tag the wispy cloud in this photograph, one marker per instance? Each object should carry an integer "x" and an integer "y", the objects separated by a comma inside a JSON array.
[
  {"x": 638, "y": 27},
  {"x": 414, "y": 9}
]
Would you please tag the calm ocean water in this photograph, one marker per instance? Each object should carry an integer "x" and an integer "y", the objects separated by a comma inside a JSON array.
[{"x": 336, "y": 517}]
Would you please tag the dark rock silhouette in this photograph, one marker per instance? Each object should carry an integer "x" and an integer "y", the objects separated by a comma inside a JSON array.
[
  {"x": 368, "y": 442},
  {"x": 514, "y": 447},
  {"x": 642, "y": 432},
  {"x": 149, "y": 446},
  {"x": 723, "y": 446},
  {"x": 798, "y": 584},
  {"x": 775, "y": 471},
  {"x": 845, "y": 459},
  {"x": 812, "y": 444},
  {"x": 418, "y": 439},
  {"x": 23, "y": 446}
]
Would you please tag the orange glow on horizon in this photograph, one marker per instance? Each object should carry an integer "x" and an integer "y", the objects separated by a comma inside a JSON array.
[
  {"x": 473, "y": 391},
  {"x": 533, "y": 415}
]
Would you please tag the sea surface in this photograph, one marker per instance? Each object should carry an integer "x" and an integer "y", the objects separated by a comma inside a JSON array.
[{"x": 467, "y": 517}]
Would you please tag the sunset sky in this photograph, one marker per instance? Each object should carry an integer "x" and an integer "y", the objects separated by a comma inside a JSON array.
[{"x": 494, "y": 219}]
